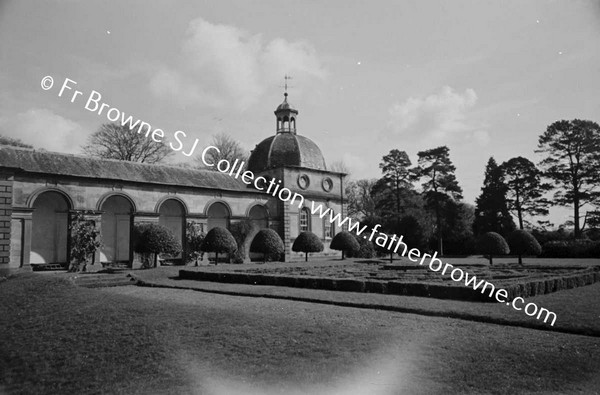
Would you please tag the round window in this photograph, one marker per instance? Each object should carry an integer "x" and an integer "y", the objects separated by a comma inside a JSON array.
[
  {"x": 303, "y": 181},
  {"x": 327, "y": 184}
]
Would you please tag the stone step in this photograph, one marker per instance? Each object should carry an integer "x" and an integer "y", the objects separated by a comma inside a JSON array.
[
  {"x": 44, "y": 267},
  {"x": 99, "y": 281}
]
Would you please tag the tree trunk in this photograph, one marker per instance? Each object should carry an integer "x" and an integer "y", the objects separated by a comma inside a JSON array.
[
  {"x": 342, "y": 255},
  {"x": 391, "y": 257},
  {"x": 491, "y": 261},
  {"x": 306, "y": 257},
  {"x": 155, "y": 260},
  {"x": 577, "y": 231},
  {"x": 520, "y": 220},
  {"x": 216, "y": 258},
  {"x": 520, "y": 260},
  {"x": 439, "y": 229}
]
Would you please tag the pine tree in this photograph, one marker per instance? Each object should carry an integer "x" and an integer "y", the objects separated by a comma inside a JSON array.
[
  {"x": 397, "y": 178},
  {"x": 440, "y": 186},
  {"x": 491, "y": 210},
  {"x": 525, "y": 189}
]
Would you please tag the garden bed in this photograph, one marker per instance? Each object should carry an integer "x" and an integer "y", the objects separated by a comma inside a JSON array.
[{"x": 417, "y": 281}]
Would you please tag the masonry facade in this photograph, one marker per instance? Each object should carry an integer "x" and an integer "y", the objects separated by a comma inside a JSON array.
[{"x": 40, "y": 191}]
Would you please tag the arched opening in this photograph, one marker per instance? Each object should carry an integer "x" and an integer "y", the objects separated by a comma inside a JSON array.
[
  {"x": 304, "y": 220},
  {"x": 116, "y": 229},
  {"x": 50, "y": 229},
  {"x": 286, "y": 123},
  {"x": 293, "y": 123},
  {"x": 258, "y": 216},
  {"x": 172, "y": 216},
  {"x": 218, "y": 215}
]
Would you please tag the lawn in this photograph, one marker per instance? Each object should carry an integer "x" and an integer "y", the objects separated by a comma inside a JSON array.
[{"x": 58, "y": 338}]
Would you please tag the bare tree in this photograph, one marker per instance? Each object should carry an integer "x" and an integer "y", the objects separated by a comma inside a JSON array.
[
  {"x": 229, "y": 149},
  {"x": 340, "y": 167},
  {"x": 113, "y": 141},
  {"x": 14, "y": 142}
]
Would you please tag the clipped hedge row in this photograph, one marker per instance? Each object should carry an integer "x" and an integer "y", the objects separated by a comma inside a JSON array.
[
  {"x": 456, "y": 292},
  {"x": 581, "y": 248}
]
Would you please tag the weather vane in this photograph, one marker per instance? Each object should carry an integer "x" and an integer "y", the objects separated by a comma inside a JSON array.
[{"x": 286, "y": 78}]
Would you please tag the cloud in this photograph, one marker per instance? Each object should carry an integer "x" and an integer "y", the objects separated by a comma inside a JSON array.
[
  {"x": 439, "y": 117},
  {"x": 43, "y": 128},
  {"x": 222, "y": 65}
]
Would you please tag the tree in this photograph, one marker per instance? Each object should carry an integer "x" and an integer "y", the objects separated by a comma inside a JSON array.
[
  {"x": 440, "y": 185},
  {"x": 572, "y": 163},
  {"x": 14, "y": 142},
  {"x": 344, "y": 241},
  {"x": 522, "y": 243},
  {"x": 155, "y": 239},
  {"x": 491, "y": 243},
  {"x": 229, "y": 149},
  {"x": 361, "y": 203},
  {"x": 85, "y": 240},
  {"x": 219, "y": 240},
  {"x": 525, "y": 190},
  {"x": 193, "y": 242},
  {"x": 307, "y": 242},
  {"x": 413, "y": 233},
  {"x": 491, "y": 210},
  {"x": 339, "y": 167},
  {"x": 397, "y": 175},
  {"x": 113, "y": 141},
  {"x": 267, "y": 242},
  {"x": 365, "y": 248}
]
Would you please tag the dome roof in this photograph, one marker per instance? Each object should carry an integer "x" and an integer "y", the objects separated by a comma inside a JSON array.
[
  {"x": 285, "y": 106},
  {"x": 286, "y": 149}
]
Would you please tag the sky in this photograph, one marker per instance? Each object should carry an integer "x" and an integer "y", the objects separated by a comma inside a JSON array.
[{"x": 484, "y": 78}]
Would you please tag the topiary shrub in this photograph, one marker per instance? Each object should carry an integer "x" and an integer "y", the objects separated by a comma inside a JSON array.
[
  {"x": 307, "y": 242},
  {"x": 219, "y": 240},
  {"x": 366, "y": 249},
  {"x": 344, "y": 241},
  {"x": 267, "y": 242},
  {"x": 193, "y": 242},
  {"x": 85, "y": 240},
  {"x": 154, "y": 239},
  {"x": 491, "y": 243},
  {"x": 522, "y": 243}
]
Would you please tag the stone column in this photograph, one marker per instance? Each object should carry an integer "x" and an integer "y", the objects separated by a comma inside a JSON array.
[
  {"x": 21, "y": 244},
  {"x": 286, "y": 232},
  {"x": 6, "y": 188}
]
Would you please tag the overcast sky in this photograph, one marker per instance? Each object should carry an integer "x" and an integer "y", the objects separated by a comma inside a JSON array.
[{"x": 483, "y": 77}]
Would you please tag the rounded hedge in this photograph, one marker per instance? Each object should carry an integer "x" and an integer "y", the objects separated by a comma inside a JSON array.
[
  {"x": 522, "y": 242},
  {"x": 492, "y": 243},
  {"x": 345, "y": 242},
  {"x": 267, "y": 242},
  {"x": 307, "y": 242},
  {"x": 219, "y": 240},
  {"x": 155, "y": 239},
  {"x": 365, "y": 250}
]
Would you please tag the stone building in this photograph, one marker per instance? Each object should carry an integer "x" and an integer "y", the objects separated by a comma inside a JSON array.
[{"x": 40, "y": 190}]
